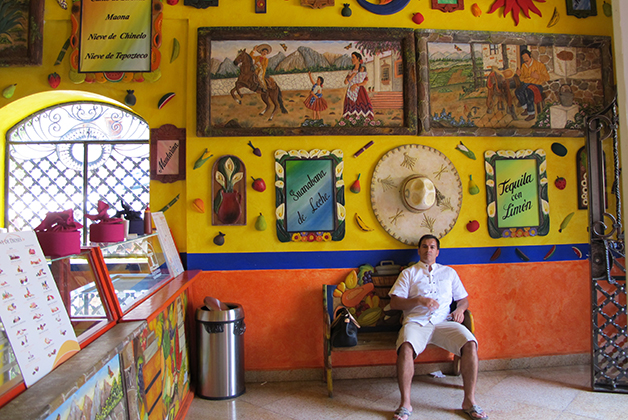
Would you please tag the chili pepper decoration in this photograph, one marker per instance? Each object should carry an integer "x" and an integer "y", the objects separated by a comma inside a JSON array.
[{"x": 514, "y": 7}]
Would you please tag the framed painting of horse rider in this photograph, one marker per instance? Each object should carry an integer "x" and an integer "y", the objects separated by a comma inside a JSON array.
[
  {"x": 285, "y": 81},
  {"x": 511, "y": 84}
]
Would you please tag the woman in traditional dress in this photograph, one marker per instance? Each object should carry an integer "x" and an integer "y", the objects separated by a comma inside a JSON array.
[{"x": 357, "y": 102}]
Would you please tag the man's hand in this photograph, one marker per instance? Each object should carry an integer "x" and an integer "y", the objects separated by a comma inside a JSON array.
[
  {"x": 430, "y": 304},
  {"x": 457, "y": 316}
]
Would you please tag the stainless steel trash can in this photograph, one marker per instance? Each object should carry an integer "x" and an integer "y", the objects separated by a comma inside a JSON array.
[{"x": 220, "y": 336}]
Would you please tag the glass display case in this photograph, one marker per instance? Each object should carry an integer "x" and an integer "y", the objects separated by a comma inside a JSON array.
[
  {"x": 136, "y": 267},
  {"x": 97, "y": 286},
  {"x": 84, "y": 296}
]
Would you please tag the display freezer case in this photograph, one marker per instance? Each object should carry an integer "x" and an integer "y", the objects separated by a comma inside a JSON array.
[{"x": 98, "y": 287}]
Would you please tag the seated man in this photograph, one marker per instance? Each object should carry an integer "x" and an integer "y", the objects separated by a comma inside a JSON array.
[
  {"x": 424, "y": 292},
  {"x": 532, "y": 74}
]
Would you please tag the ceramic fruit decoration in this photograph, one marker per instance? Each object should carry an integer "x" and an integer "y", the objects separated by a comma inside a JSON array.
[
  {"x": 417, "y": 18},
  {"x": 465, "y": 151},
  {"x": 228, "y": 199},
  {"x": 258, "y": 184},
  {"x": 554, "y": 19},
  {"x": 473, "y": 225},
  {"x": 473, "y": 187},
  {"x": 130, "y": 98},
  {"x": 176, "y": 47},
  {"x": 201, "y": 161},
  {"x": 514, "y": 7},
  {"x": 496, "y": 254},
  {"x": 559, "y": 149},
  {"x": 54, "y": 80},
  {"x": 199, "y": 205},
  {"x": 361, "y": 224},
  {"x": 8, "y": 91},
  {"x": 560, "y": 182},
  {"x": 260, "y": 223},
  {"x": 172, "y": 2},
  {"x": 165, "y": 99},
  {"x": 170, "y": 204},
  {"x": 219, "y": 239},
  {"x": 346, "y": 10},
  {"x": 608, "y": 9},
  {"x": 256, "y": 151},
  {"x": 475, "y": 10},
  {"x": 355, "y": 187},
  {"x": 565, "y": 221}
]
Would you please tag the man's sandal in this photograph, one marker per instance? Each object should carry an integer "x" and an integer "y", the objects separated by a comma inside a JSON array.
[
  {"x": 400, "y": 412},
  {"x": 476, "y": 412}
]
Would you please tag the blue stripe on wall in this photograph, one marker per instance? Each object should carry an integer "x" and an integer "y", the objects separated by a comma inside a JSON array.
[{"x": 353, "y": 259}]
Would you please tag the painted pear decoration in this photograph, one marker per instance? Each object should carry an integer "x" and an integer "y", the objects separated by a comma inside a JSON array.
[{"x": 227, "y": 202}]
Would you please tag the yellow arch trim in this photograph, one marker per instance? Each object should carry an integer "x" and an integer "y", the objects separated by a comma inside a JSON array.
[{"x": 21, "y": 108}]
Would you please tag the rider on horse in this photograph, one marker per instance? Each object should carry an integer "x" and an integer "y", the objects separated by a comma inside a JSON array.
[{"x": 258, "y": 54}]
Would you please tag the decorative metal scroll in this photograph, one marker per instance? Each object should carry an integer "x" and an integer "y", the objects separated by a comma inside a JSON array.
[{"x": 609, "y": 324}]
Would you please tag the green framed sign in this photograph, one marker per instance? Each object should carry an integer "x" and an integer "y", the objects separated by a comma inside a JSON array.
[
  {"x": 516, "y": 193},
  {"x": 310, "y": 199}
]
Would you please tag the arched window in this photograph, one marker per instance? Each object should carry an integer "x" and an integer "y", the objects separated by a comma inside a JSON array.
[{"x": 72, "y": 155}]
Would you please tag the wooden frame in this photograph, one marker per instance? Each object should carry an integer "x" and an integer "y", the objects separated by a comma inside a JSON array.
[
  {"x": 448, "y": 5},
  {"x": 167, "y": 153},
  {"x": 27, "y": 47},
  {"x": 516, "y": 193},
  {"x": 581, "y": 8},
  {"x": 153, "y": 74},
  {"x": 307, "y": 183},
  {"x": 468, "y": 83},
  {"x": 219, "y": 85}
]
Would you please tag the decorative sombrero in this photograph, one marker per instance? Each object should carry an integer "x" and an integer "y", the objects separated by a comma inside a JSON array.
[{"x": 415, "y": 190}]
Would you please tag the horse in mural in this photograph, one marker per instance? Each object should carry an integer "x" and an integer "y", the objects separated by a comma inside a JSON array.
[
  {"x": 498, "y": 84},
  {"x": 248, "y": 79}
]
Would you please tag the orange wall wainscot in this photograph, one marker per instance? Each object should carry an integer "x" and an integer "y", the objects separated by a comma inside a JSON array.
[{"x": 520, "y": 310}]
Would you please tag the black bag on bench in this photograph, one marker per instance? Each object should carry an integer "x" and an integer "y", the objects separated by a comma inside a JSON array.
[{"x": 344, "y": 329}]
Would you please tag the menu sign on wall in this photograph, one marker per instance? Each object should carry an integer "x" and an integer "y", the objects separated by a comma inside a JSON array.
[
  {"x": 115, "y": 36},
  {"x": 31, "y": 310}
]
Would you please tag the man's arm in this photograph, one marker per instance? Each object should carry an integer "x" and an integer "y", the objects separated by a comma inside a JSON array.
[
  {"x": 461, "y": 306},
  {"x": 406, "y": 304}
]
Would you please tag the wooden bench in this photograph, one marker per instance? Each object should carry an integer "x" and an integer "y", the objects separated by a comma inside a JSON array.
[{"x": 369, "y": 338}]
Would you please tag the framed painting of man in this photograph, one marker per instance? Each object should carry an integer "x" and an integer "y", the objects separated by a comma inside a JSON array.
[
  {"x": 511, "y": 84},
  {"x": 22, "y": 32},
  {"x": 306, "y": 81}
]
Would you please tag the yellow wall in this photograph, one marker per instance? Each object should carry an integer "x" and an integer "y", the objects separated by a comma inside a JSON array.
[{"x": 182, "y": 22}]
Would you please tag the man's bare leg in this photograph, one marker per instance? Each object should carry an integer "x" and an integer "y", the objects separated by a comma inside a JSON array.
[
  {"x": 469, "y": 371},
  {"x": 405, "y": 373}
]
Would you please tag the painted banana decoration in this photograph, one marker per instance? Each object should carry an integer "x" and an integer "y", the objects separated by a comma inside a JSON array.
[
  {"x": 361, "y": 224},
  {"x": 389, "y": 8}
]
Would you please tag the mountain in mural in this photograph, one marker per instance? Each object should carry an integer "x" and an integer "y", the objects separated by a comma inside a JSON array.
[{"x": 227, "y": 67}]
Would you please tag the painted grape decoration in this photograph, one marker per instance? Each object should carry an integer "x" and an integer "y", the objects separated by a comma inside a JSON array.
[{"x": 514, "y": 7}]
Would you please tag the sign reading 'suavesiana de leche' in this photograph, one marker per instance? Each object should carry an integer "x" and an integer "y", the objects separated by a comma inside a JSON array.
[{"x": 115, "y": 36}]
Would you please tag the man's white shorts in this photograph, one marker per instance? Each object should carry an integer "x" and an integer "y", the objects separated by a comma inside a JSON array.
[{"x": 449, "y": 335}]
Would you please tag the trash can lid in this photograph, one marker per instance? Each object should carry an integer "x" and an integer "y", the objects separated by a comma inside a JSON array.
[{"x": 235, "y": 312}]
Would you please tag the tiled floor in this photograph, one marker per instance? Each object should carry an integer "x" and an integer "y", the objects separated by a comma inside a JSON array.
[{"x": 555, "y": 393}]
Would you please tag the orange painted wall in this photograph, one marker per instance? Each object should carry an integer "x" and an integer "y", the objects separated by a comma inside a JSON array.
[{"x": 542, "y": 308}]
